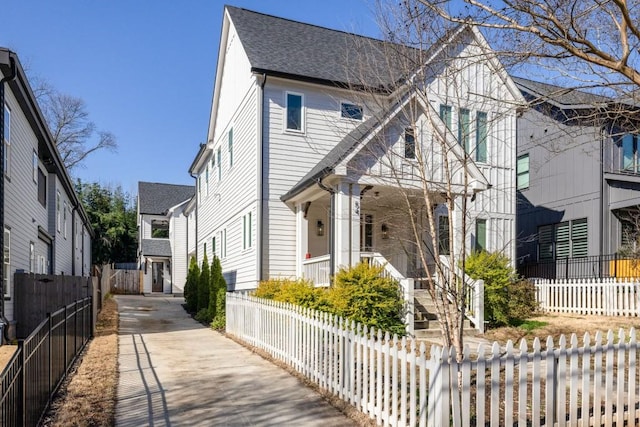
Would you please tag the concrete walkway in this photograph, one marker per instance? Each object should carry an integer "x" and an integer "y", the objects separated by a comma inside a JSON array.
[{"x": 175, "y": 372}]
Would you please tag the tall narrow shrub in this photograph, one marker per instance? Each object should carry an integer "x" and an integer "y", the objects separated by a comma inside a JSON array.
[
  {"x": 191, "y": 286},
  {"x": 203, "y": 285},
  {"x": 216, "y": 272},
  {"x": 219, "y": 318}
]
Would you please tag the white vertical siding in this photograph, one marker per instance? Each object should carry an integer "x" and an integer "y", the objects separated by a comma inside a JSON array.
[{"x": 179, "y": 258}]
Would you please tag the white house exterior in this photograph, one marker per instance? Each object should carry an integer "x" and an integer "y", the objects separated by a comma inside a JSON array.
[
  {"x": 46, "y": 229},
  {"x": 292, "y": 178},
  {"x": 162, "y": 236}
]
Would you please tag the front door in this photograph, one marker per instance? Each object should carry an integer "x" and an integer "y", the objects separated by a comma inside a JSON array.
[{"x": 158, "y": 276}]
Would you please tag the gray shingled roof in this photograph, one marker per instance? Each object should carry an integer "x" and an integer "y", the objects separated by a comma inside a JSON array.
[
  {"x": 290, "y": 48},
  {"x": 156, "y": 247},
  {"x": 561, "y": 96},
  {"x": 156, "y": 199}
]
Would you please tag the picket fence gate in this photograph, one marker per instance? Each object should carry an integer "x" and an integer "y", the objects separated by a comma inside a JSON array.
[
  {"x": 605, "y": 297},
  {"x": 398, "y": 382}
]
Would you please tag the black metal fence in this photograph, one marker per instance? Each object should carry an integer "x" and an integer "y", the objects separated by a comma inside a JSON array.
[
  {"x": 599, "y": 266},
  {"x": 41, "y": 363}
]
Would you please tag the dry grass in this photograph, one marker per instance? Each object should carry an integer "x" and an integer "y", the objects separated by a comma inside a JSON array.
[
  {"x": 89, "y": 397},
  {"x": 6, "y": 351},
  {"x": 563, "y": 324}
]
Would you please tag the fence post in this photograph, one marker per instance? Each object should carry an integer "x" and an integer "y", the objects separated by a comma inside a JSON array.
[
  {"x": 22, "y": 406},
  {"x": 566, "y": 268},
  {"x": 50, "y": 350},
  {"x": 615, "y": 265},
  {"x": 66, "y": 341}
]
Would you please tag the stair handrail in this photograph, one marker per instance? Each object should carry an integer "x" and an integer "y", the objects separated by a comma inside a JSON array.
[{"x": 474, "y": 310}]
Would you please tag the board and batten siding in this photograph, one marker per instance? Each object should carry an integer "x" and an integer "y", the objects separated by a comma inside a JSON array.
[{"x": 289, "y": 156}]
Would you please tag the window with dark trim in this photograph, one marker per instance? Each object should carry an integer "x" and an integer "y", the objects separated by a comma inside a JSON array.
[
  {"x": 481, "y": 235},
  {"x": 42, "y": 188},
  {"x": 481, "y": 137},
  {"x": 294, "y": 113},
  {"x": 522, "y": 172},
  {"x": 563, "y": 240},
  {"x": 409, "y": 144},
  {"x": 464, "y": 129},
  {"x": 445, "y": 115},
  {"x": 350, "y": 111}
]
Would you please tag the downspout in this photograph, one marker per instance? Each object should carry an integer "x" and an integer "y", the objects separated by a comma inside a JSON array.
[
  {"x": 3, "y": 320},
  {"x": 259, "y": 213},
  {"x": 603, "y": 203},
  {"x": 197, "y": 195},
  {"x": 332, "y": 226}
]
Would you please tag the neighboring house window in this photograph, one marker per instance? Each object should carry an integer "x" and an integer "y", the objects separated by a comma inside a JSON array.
[
  {"x": 204, "y": 250},
  {"x": 213, "y": 245},
  {"x": 563, "y": 240},
  {"x": 481, "y": 137},
  {"x": 7, "y": 263},
  {"x": 219, "y": 164},
  {"x": 32, "y": 257},
  {"x": 160, "y": 229},
  {"x": 522, "y": 172},
  {"x": 295, "y": 114},
  {"x": 445, "y": 115},
  {"x": 230, "y": 148},
  {"x": 630, "y": 160},
  {"x": 481, "y": 235},
  {"x": 350, "y": 111},
  {"x": 42, "y": 188},
  {"x": 443, "y": 234},
  {"x": 34, "y": 162},
  {"x": 409, "y": 144},
  {"x": 64, "y": 219},
  {"x": 58, "y": 215},
  {"x": 7, "y": 140},
  {"x": 464, "y": 129},
  {"x": 246, "y": 231}
]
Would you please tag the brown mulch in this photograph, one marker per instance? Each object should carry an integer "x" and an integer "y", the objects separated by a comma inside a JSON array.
[
  {"x": 6, "y": 351},
  {"x": 88, "y": 397}
]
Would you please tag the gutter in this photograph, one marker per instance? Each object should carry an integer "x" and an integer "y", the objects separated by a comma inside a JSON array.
[
  {"x": 260, "y": 192},
  {"x": 6, "y": 57}
]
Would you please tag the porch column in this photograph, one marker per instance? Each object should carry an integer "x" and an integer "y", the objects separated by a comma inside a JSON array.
[
  {"x": 302, "y": 238},
  {"x": 347, "y": 225}
]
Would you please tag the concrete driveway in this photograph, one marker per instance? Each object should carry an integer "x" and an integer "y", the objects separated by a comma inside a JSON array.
[{"x": 175, "y": 372}]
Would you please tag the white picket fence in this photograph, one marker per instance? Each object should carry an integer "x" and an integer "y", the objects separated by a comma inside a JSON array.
[
  {"x": 608, "y": 297},
  {"x": 400, "y": 383}
]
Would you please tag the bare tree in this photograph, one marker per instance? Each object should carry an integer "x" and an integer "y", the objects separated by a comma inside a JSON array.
[
  {"x": 75, "y": 135},
  {"x": 439, "y": 99}
]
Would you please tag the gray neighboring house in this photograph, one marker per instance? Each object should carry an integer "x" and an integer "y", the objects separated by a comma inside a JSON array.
[
  {"x": 578, "y": 182},
  {"x": 46, "y": 229},
  {"x": 163, "y": 237}
]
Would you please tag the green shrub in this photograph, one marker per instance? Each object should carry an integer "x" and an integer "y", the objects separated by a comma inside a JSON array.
[
  {"x": 218, "y": 311},
  {"x": 269, "y": 289},
  {"x": 521, "y": 300},
  {"x": 204, "y": 287},
  {"x": 361, "y": 294},
  {"x": 497, "y": 273},
  {"x": 298, "y": 292},
  {"x": 203, "y": 316},
  {"x": 191, "y": 286},
  {"x": 219, "y": 321},
  {"x": 216, "y": 275}
]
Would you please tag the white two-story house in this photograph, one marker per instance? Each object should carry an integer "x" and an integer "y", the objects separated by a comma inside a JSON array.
[
  {"x": 46, "y": 229},
  {"x": 312, "y": 136},
  {"x": 163, "y": 236}
]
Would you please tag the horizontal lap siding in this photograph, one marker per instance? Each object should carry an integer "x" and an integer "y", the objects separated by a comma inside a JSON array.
[
  {"x": 289, "y": 157},
  {"x": 179, "y": 259}
]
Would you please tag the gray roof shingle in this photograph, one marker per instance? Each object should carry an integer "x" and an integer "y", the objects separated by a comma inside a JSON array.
[
  {"x": 156, "y": 198},
  {"x": 156, "y": 247},
  {"x": 562, "y": 96},
  {"x": 290, "y": 48}
]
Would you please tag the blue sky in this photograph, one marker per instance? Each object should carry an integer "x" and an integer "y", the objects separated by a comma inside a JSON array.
[{"x": 145, "y": 69}]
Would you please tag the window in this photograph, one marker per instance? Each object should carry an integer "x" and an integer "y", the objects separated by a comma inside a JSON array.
[
  {"x": 213, "y": 245},
  {"x": 42, "y": 188},
  {"x": 630, "y": 159},
  {"x": 230, "y": 148},
  {"x": 159, "y": 229},
  {"x": 563, "y": 240},
  {"x": 7, "y": 140},
  {"x": 219, "y": 164},
  {"x": 522, "y": 172},
  {"x": 464, "y": 129},
  {"x": 443, "y": 234},
  {"x": 6, "y": 283},
  {"x": 247, "y": 231},
  {"x": 32, "y": 257},
  {"x": 350, "y": 111},
  {"x": 223, "y": 243},
  {"x": 366, "y": 232},
  {"x": 294, "y": 112},
  {"x": 481, "y": 137},
  {"x": 445, "y": 115},
  {"x": 34, "y": 162},
  {"x": 409, "y": 144},
  {"x": 204, "y": 249},
  {"x": 58, "y": 216},
  {"x": 64, "y": 219},
  {"x": 481, "y": 235}
]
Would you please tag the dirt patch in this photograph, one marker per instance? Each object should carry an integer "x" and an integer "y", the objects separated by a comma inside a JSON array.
[
  {"x": 563, "y": 324},
  {"x": 89, "y": 396},
  {"x": 6, "y": 351}
]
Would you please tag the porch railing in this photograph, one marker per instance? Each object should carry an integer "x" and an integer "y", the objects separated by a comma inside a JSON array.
[
  {"x": 317, "y": 270},
  {"x": 474, "y": 301}
]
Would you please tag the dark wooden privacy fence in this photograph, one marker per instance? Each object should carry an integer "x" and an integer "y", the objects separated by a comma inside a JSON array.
[
  {"x": 41, "y": 363},
  {"x": 39, "y": 294}
]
